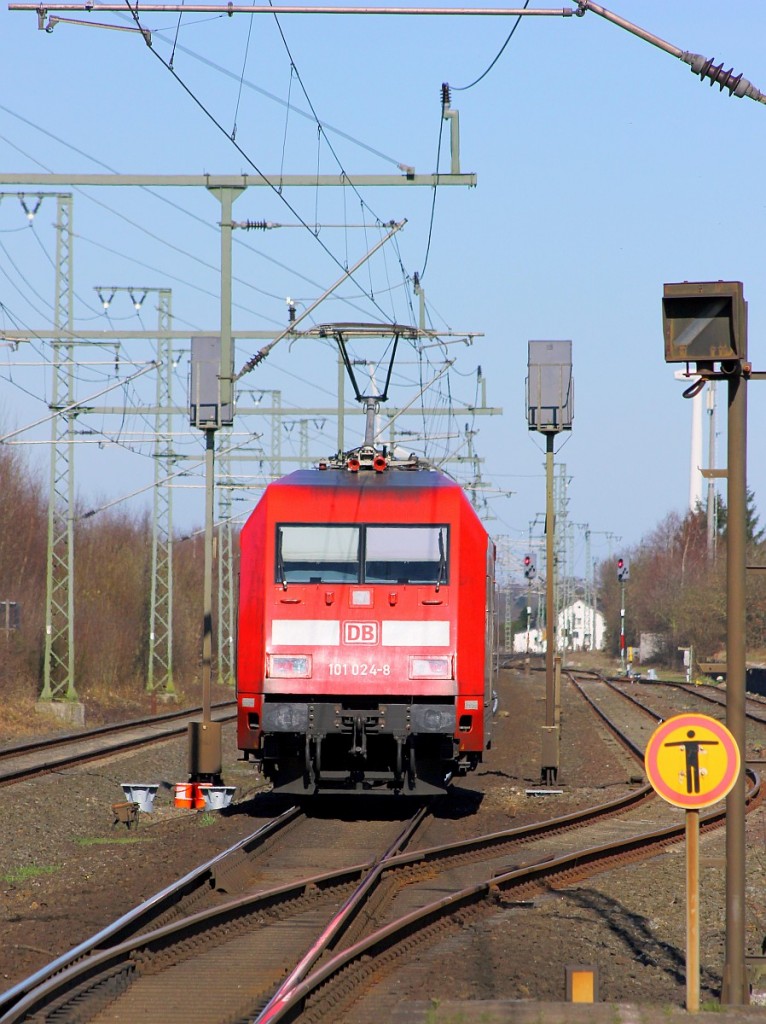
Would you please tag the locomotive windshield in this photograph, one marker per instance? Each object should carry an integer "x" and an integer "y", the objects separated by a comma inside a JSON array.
[
  {"x": 405, "y": 554},
  {"x": 319, "y": 553}
]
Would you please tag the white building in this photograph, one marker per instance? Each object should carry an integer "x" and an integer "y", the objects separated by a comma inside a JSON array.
[{"x": 580, "y": 627}]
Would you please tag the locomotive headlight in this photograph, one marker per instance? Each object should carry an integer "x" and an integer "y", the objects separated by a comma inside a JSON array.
[
  {"x": 424, "y": 667},
  {"x": 289, "y": 666},
  {"x": 285, "y": 717}
]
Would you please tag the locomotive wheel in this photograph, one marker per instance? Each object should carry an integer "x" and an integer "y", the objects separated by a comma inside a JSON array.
[
  {"x": 412, "y": 773},
  {"x": 308, "y": 768},
  {"x": 398, "y": 766}
]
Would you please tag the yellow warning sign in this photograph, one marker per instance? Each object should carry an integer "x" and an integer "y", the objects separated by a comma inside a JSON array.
[{"x": 692, "y": 760}]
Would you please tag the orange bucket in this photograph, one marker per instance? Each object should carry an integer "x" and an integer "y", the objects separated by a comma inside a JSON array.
[
  {"x": 184, "y": 794},
  {"x": 200, "y": 788}
]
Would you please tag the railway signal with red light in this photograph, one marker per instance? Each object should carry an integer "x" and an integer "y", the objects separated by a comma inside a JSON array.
[
  {"x": 529, "y": 567},
  {"x": 623, "y": 570}
]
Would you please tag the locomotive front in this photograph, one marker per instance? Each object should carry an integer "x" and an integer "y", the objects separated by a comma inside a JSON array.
[{"x": 365, "y": 628}]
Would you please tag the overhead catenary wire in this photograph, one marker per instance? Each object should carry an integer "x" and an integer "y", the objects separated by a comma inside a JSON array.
[
  {"x": 433, "y": 196},
  {"x": 75, "y": 405},
  {"x": 139, "y": 227},
  {"x": 241, "y": 79},
  {"x": 320, "y": 129},
  {"x": 163, "y": 199},
  {"x": 409, "y": 404},
  {"x": 73, "y": 334},
  {"x": 175, "y": 40},
  {"x": 363, "y": 291},
  {"x": 261, "y": 355},
  {"x": 248, "y": 283},
  {"x": 195, "y": 99},
  {"x": 464, "y": 88}
]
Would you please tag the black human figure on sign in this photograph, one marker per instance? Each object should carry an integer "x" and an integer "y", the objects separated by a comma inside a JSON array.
[{"x": 692, "y": 749}]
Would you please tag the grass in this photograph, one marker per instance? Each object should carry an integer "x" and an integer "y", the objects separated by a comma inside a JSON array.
[
  {"x": 23, "y": 874},
  {"x": 206, "y": 819}
]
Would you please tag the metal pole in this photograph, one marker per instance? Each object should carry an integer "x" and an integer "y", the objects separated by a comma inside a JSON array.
[
  {"x": 550, "y": 738},
  {"x": 711, "y": 495},
  {"x": 529, "y": 596},
  {"x": 226, "y": 197},
  {"x": 492, "y": 12},
  {"x": 207, "y": 628},
  {"x": 205, "y": 748},
  {"x": 622, "y": 628},
  {"x": 692, "y": 911},
  {"x": 735, "y": 989},
  {"x": 225, "y": 575},
  {"x": 550, "y": 614}
]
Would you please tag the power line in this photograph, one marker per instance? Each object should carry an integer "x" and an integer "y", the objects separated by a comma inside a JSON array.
[
  {"x": 463, "y": 88},
  {"x": 161, "y": 198},
  {"x": 195, "y": 99}
]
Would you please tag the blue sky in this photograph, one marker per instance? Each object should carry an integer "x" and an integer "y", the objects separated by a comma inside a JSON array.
[{"x": 605, "y": 168}]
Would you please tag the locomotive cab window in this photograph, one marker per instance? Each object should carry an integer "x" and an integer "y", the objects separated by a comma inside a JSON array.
[
  {"x": 317, "y": 554},
  {"x": 406, "y": 554}
]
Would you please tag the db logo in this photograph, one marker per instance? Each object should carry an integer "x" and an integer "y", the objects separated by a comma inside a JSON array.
[{"x": 360, "y": 632}]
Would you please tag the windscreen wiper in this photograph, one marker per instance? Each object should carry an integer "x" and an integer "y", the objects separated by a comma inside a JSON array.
[
  {"x": 281, "y": 564},
  {"x": 442, "y": 561}
]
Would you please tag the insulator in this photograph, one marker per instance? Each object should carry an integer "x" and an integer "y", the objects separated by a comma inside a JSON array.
[
  {"x": 445, "y": 94},
  {"x": 256, "y": 225},
  {"x": 725, "y": 79},
  {"x": 736, "y": 84}
]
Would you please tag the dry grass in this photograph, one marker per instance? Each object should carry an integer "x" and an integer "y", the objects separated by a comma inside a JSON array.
[
  {"x": 19, "y": 720},
  {"x": 21, "y": 717}
]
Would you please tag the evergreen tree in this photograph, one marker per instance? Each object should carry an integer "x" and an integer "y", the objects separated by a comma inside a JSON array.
[{"x": 755, "y": 534}]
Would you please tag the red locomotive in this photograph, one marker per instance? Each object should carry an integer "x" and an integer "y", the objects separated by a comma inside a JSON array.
[{"x": 365, "y": 634}]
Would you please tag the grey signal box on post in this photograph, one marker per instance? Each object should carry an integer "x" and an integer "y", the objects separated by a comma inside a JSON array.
[
  {"x": 704, "y": 322},
  {"x": 205, "y": 408},
  {"x": 550, "y": 387}
]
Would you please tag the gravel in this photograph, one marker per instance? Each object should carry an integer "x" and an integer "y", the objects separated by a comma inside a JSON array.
[{"x": 66, "y": 869}]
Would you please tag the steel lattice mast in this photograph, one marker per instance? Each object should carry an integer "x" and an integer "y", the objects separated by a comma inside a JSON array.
[
  {"x": 58, "y": 668},
  {"x": 160, "y": 669}
]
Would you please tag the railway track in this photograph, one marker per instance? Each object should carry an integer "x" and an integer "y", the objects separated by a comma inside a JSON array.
[
  {"x": 666, "y": 699},
  {"x": 215, "y": 949},
  {"x": 24, "y": 761},
  {"x": 354, "y": 920},
  {"x": 755, "y": 707}
]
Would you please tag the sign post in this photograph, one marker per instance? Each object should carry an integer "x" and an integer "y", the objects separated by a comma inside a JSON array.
[
  {"x": 692, "y": 761},
  {"x": 693, "y": 911}
]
